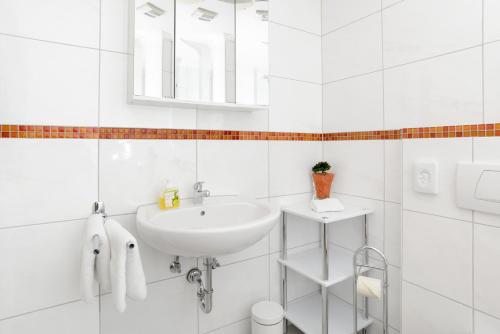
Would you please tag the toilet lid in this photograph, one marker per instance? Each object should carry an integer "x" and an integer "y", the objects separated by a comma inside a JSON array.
[{"x": 267, "y": 313}]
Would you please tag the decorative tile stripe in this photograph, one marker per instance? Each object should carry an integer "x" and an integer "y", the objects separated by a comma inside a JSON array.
[
  {"x": 363, "y": 135},
  {"x": 44, "y": 131},
  {"x": 40, "y": 131},
  {"x": 473, "y": 130}
]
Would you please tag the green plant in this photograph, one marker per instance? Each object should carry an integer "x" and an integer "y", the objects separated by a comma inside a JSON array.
[{"x": 321, "y": 167}]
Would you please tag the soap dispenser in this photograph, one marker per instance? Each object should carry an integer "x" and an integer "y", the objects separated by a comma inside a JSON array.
[{"x": 168, "y": 197}]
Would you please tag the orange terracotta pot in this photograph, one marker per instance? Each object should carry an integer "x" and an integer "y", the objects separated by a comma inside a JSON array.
[{"x": 323, "y": 184}]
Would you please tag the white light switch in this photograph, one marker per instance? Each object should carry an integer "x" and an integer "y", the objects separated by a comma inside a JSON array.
[{"x": 426, "y": 177}]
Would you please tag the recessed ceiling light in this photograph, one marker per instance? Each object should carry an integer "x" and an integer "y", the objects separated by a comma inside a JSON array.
[
  {"x": 151, "y": 10},
  {"x": 204, "y": 14}
]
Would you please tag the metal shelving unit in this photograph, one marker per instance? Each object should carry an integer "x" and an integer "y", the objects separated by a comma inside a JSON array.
[{"x": 321, "y": 313}]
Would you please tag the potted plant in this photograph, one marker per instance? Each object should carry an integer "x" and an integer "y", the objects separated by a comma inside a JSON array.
[{"x": 322, "y": 179}]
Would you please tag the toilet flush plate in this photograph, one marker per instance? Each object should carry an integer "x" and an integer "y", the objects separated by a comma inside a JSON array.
[{"x": 426, "y": 177}]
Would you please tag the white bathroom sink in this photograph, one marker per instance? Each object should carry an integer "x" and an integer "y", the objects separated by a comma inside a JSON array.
[{"x": 212, "y": 229}]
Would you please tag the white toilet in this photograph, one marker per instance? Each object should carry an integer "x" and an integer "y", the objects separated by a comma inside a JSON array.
[{"x": 267, "y": 318}]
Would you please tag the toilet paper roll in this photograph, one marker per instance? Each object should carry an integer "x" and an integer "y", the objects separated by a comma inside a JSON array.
[{"x": 369, "y": 287}]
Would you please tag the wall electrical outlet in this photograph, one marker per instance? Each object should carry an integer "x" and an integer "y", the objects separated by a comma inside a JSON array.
[{"x": 426, "y": 177}]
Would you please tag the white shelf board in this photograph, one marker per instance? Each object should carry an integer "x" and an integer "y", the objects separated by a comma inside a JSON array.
[
  {"x": 305, "y": 314},
  {"x": 309, "y": 263},
  {"x": 304, "y": 210}
]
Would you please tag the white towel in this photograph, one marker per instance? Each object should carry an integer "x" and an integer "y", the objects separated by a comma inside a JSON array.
[
  {"x": 95, "y": 257},
  {"x": 127, "y": 275}
]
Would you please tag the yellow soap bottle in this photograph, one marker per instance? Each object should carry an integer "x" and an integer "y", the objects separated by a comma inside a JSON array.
[{"x": 169, "y": 198}]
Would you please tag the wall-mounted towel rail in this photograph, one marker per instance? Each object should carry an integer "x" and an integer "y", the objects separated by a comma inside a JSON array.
[{"x": 99, "y": 208}]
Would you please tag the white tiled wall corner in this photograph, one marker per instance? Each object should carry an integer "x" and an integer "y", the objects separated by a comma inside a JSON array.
[
  {"x": 76, "y": 318},
  {"x": 393, "y": 155},
  {"x": 486, "y": 150},
  {"x": 234, "y": 167},
  {"x": 392, "y": 233},
  {"x": 429, "y": 313},
  {"x": 55, "y": 178},
  {"x": 115, "y": 111},
  {"x": 491, "y": 82},
  {"x": 44, "y": 20},
  {"x": 437, "y": 255},
  {"x": 337, "y": 13},
  {"x": 133, "y": 172},
  {"x": 171, "y": 304},
  {"x": 358, "y": 167},
  {"x": 447, "y": 153},
  {"x": 295, "y": 106},
  {"x": 43, "y": 266},
  {"x": 297, "y": 13},
  {"x": 59, "y": 83},
  {"x": 251, "y": 274},
  {"x": 486, "y": 275},
  {"x": 288, "y": 48},
  {"x": 485, "y": 324},
  {"x": 491, "y": 23},
  {"x": 441, "y": 91},
  {"x": 290, "y": 166},
  {"x": 354, "y": 104},
  {"x": 353, "y": 50},
  {"x": 417, "y": 29}
]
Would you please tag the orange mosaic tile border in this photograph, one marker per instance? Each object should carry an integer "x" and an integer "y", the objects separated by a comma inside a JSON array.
[
  {"x": 47, "y": 132},
  {"x": 40, "y": 131}
]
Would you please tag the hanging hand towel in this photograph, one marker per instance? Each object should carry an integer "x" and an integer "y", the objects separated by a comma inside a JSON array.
[
  {"x": 95, "y": 257},
  {"x": 127, "y": 275}
]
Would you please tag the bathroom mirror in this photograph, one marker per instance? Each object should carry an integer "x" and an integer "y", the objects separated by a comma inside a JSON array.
[{"x": 212, "y": 53}]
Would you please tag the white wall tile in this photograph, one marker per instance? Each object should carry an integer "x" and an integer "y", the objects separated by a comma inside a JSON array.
[
  {"x": 354, "y": 104},
  {"x": 170, "y": 305},
  {"x": 290, "y": 166},
  {"x": 117, "y": 112},
  {"x": 72, "y": 22},
  {"x": 258, "y": 249},
  {"x": 387, "y": 3},
  {"x": 56, "y": 179},
  {"x": 447, "y": 153},
  {"x": 75, "y": 318},
  {"x": 156, "y": 264},
  {"x": 114, "y": 25},
  {"x": 43, "y": 266},
  {"x": 437, "y": 254},
  {"x": 358, "y": 167},
  {"x": 256, "y": 120},
  {"x": 426, "y": 312},
  {"x": 300, "y": 231},
  {"x": 419, "y": 29},
  {"x": 491, "y": 83},
  {"x": 486, "y": 274},
  {"x": 393, "y": 153},
  {"x": 337, "y": 13},
  {"x": 491, "y": 23},
  {"x": 442, "y": 91},
  {"x": 297, "y": 13},
  {"x": 295, "y": 106},
  {"x": 353, "y": 50},
  {"x": 241, "y": 327},
  {"x": 484, "y": 324},
  {"x": 133, "y": 172},
  {"x": 46, "y": 83},
  {"x": 486, "y": 150},
  {"x": 234, "y": 167},
  {"x": 288, "y": 48},
  {"x": 392, "y": 234},
  {"x": 349, "y": 233},
  {"x": 251, "y": 274}
]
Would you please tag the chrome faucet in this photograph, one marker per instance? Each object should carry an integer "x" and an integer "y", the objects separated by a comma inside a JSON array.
[{"x": 199, "y": 193}]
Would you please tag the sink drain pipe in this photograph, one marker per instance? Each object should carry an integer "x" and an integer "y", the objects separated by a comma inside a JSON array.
[{"x": 205, "y": 291}]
